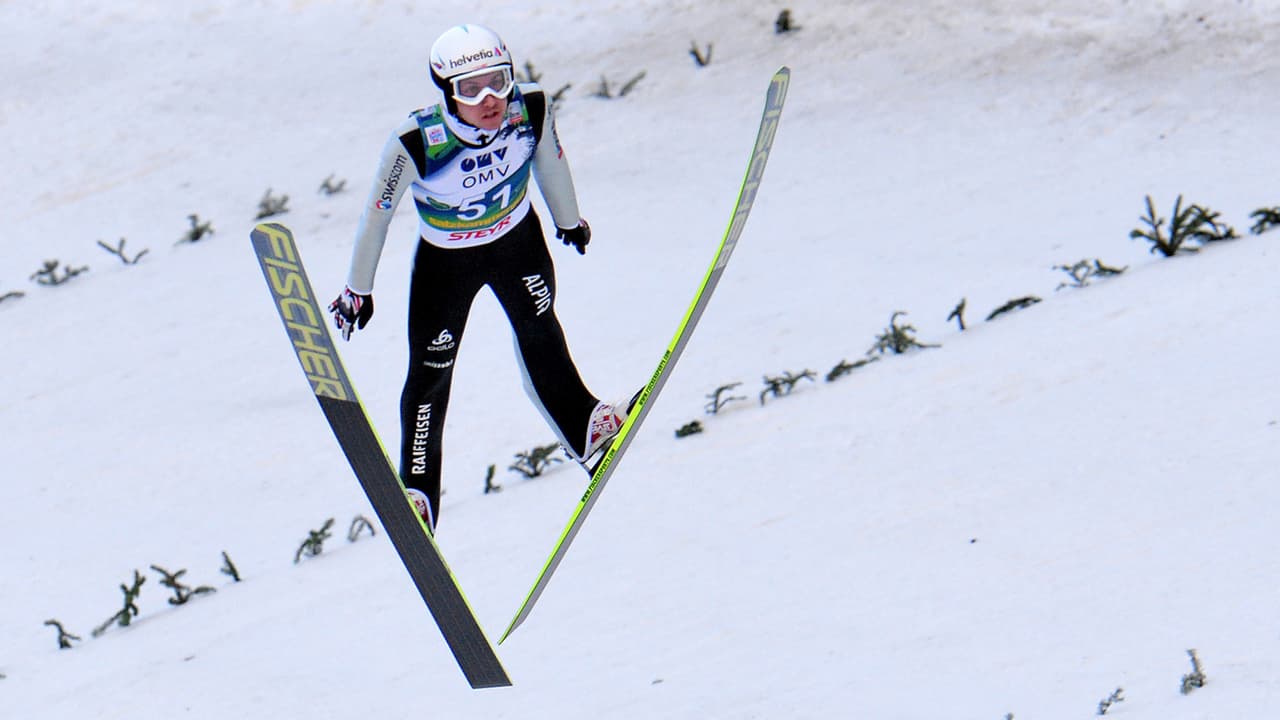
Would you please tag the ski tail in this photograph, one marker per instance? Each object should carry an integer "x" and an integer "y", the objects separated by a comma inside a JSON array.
[
  {"x": 304, "y": 321},
  {"x": 774, "y": 100}
]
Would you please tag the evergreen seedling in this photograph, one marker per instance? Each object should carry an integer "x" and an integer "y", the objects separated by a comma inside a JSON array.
[
  {"x": 118, "y": 251},
  {"x": 691, "y": 428},
  {"x": 197, "y": 230},
  {"x": 489, "y": 485},
  {"x": 844, "y": 368},
  {"x": 359, "y": 524},
  {"x": 229, "y": 568},
  {"x": 604, "y": 92},
  {"x": 783, "y": 385},
  {"x": 314, "y": 544},
  {"x": 271, "y": 205},
  {"x": 1015, "y": 304},
  {"x": 1107, "y": 702},
  {"x": 536, "y": 461},
  {"x": 329, "y": 187},
  {"x": 64, "y": 638},
  {"x": 1264, "y": 219},
  {"x": 698, "y": 57},
  {"x": 718, "y": 400},
  {"x": 783, "y": 23},
  {"x": 1081, "y": 271},
  {"x": 48, "y": 275},
  {"x": 130, "y": 609},
  {"x": 181, "y": 593},
  {"x": 1209, "y": 229},
  {"x": 957, "y": 313},
  {"x": 1196, "y": 224},
  {"x": 1194, "y": 679},
  {"x": 897, "y": 338},
  {"x": 529, "y": 75}
]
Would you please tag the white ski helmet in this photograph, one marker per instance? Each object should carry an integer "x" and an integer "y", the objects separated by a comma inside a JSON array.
[{"x": 470, "y": 62}]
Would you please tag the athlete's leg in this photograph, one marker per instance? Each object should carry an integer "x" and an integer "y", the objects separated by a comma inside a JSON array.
[
  {"x": 441, "y": 292},
  {"x": 523, "y": 279}
]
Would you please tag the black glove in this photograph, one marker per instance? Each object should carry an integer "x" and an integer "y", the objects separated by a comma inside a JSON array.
[
  {"x": 351, "y": 311},
  {"x": 577, "y": 237}
]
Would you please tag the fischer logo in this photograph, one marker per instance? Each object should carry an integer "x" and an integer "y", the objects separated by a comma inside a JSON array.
[
  {"x": 392, "y": 182},
  {"x": 421, "y": 433},
  {"x": 468, "y": 59},
  {"x": 481, "y": 234},
  {"x": 444, "y": 341}
]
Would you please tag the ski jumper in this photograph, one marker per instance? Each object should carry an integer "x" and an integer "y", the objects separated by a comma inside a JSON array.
[{"x": 477, "y": 228}]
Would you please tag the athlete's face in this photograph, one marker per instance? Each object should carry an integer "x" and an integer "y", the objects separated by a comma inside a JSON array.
[{"x": 488, "y": 115}]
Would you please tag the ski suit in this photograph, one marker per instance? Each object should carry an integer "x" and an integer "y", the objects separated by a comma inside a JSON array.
[{"x": 477, "y": 228}]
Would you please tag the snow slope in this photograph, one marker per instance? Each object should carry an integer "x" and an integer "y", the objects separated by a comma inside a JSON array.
[{"x": 1048, "y": 507}]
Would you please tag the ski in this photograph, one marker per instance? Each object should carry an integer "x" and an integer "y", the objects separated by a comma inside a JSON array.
[
  {"x": 304, "y": 321},
  {"x": 777, "y": 93}
]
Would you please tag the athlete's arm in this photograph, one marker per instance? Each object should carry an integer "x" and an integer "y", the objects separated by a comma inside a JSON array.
[
  {"x": 551, "y": 170},
  {"x": 396, "y": 170}
]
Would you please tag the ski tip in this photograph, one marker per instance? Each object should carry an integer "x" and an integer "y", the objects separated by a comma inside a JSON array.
[{"x": 510, "y": 629}]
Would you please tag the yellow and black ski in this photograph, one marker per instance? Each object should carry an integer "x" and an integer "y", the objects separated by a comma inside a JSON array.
[
  {"x": 604, "y": 469},
  {"x": 304, "y": 320}
]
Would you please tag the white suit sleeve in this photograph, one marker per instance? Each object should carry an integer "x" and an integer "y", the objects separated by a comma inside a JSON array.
[
  {"x": 551, "y": 170},
  {"x": 394, "y": 175}
]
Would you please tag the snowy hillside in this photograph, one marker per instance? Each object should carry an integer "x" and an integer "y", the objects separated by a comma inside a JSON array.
[{"x": 1047, "y": 507}]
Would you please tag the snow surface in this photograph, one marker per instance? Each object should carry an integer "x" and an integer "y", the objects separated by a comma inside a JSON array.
[{"x": 1048, "y": 507}]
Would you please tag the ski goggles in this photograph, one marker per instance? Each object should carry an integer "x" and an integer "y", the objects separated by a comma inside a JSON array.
[{"x": 471, "y": 88}]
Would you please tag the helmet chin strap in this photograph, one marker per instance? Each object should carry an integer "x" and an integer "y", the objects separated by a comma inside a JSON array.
[
  {"x": 465, "y": 131},
  {"x": 468, "y": 133}
]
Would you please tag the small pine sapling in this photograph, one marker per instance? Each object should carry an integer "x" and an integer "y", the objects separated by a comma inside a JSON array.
[
  {"x": 957, "y": 313},
  {"x": 1081, "y": 271},
  {"x": 783, "y": 385},
  {"x": 271, "y": 205},
  {"x": 1185, "y": 225},
  {"x": 533, "y": 463},
  {"x": 1209, "y": 229},
  {"x": 197, "y": 230},
  {"x": 528, "y": 74},
  {"x": 181, "y": 593},
  {"x": 1107, "y": 702},
  {"x": 64, "y": 638},
  {"x": 130, "y": 609},
  {"x": 314, "y": 544},
  {"x": 489, "y": 485},
  {"x": 718, "y": 400},
  {"x": 783, "y": 24},
  {"x": 359, "y": 524},
  {"x": 690, "y": 428},
  {"x": 1014, "y": 304},
  {"x": 229, "y": 568},
  {"x": 604, "y": 92},
  {"x": 329, "y": 187},
  {"x": 698, "y": 57},
  {"x": 1264, "y": 219},
  {"x": 897, "y": 338},
  {"x": 1194, "y": 679},
  {"x": 48, "y": 275},
  {"x": 118, "y": 251},
  {"x": 844, "y": 368}
]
